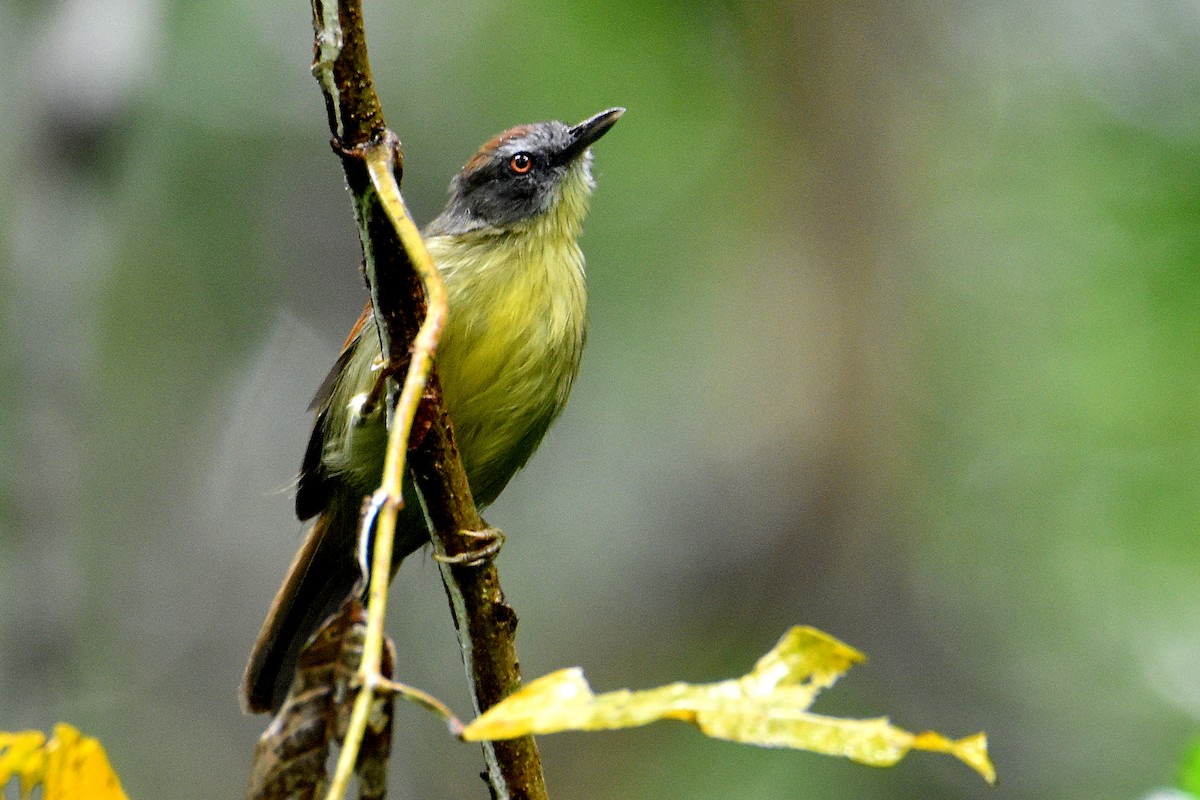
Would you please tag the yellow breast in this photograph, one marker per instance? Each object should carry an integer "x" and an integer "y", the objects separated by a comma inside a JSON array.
[{"x": 512, "y": 343}]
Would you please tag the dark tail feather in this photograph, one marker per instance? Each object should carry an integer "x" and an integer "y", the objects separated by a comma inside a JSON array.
[{"x": 321, "y": 577}]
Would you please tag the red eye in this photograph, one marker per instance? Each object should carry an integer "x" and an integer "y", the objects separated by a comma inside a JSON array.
[{"x": 520, "y": 163}]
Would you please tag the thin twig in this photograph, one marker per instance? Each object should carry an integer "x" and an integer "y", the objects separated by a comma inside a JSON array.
[
  {"x": 398, "y": 272},
  {"x": 426, "y": 701},
  {"x": 387, "y": 501}
]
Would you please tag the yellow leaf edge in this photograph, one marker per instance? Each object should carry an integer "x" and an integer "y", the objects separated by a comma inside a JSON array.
[
  {"x": 68, "y": 765},
  {"x": 767, "y": 707}
]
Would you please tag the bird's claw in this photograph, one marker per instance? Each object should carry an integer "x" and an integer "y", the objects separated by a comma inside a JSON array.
[
  {"x": 490, "y": 541},
  {"x": 382, "y": 371}
]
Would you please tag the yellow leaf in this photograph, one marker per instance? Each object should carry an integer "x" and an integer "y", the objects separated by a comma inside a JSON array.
[
  {"x": 70, "y": 766},
  {"x": 767, "y": 707}
]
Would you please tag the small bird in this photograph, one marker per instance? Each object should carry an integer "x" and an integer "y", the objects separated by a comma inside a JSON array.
[{"x": 507, "y": 247}]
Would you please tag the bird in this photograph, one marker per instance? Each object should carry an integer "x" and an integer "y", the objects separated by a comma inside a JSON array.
[{"x": 507, "y": 247}]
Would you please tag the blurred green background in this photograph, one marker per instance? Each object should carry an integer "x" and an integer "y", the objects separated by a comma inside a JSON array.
[{"x": 894, "y": 331}]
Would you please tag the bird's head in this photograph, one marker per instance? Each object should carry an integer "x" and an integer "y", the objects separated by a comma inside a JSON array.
[{"x": 525, "y": 174}]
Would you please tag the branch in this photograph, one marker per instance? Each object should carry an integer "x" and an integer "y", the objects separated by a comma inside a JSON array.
[
  {"x": 402, "y": 278},
  {"x": 485, "y": 623}
]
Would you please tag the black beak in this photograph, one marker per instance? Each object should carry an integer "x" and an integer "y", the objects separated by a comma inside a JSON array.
[{"x": 587, "y": 132}]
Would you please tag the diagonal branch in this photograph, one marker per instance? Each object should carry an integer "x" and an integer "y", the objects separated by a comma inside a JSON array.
[{"x": 402, "y": 279}]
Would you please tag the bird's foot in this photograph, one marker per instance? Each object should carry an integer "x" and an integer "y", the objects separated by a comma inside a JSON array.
[
  {"x": 382, "y": 371},
  {"x": 489, "y": 540}
]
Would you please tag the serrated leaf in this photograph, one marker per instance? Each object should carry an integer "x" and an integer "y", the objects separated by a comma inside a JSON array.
[
  {"x": 68, "y": 766},
  {"x": 766, "y": 707}
]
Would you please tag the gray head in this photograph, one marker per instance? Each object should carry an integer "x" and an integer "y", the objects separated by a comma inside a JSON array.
[{"x": 520, "y": 174}]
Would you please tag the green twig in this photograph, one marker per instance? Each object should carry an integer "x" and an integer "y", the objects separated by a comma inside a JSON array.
[
  {"x": 402, "y": 280},
  {"x": 385, "y": 504}
]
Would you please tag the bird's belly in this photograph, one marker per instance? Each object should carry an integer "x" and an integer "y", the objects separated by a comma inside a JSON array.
[{"x": 504, "y": 383}]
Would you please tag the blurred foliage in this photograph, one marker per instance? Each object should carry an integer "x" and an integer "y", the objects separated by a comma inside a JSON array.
[
  {"x": 899, "y": 299},
  {"x": 1189, "y": 773},
  {"x": 67, "y": 766}
]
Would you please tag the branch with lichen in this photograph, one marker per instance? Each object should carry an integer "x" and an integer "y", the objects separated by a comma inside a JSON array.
[{"x": 409, "y": 305}]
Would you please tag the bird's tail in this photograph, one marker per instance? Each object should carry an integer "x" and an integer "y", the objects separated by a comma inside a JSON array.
[{"x": 322, "y": 576}]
